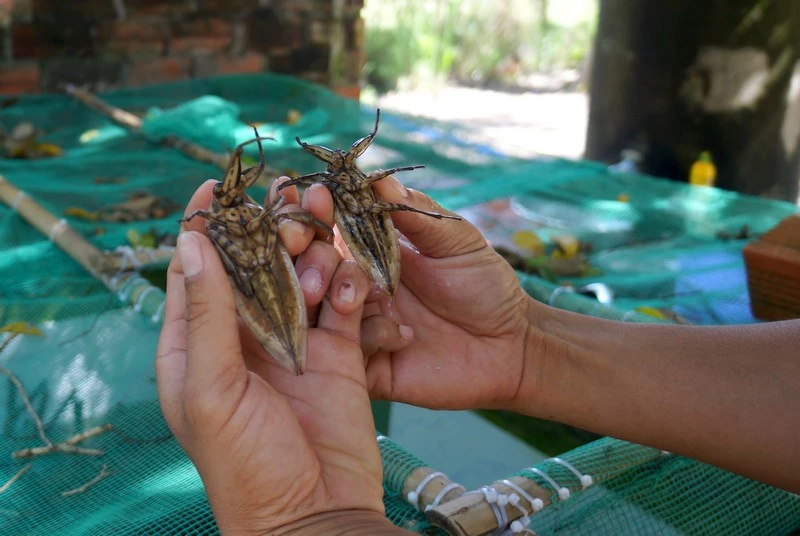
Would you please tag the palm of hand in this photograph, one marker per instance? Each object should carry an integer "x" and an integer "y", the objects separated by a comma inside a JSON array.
[
  {"x": 337, "y": 466},
  {"x": 467, "y": 313}
]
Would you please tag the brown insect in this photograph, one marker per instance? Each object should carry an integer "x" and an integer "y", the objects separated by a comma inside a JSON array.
[
  {"x": 362, "y": 218},
  {"x": 267, "y": 292}
]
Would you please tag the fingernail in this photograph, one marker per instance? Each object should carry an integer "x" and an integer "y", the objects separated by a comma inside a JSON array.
[
  {"x": 406, "y": 333},
  {"x": 189, "y": 251},
  {"x": 311, "y": 280},
  {"x": 399, "y": 188},
  {"x": 347, "y": 291}
]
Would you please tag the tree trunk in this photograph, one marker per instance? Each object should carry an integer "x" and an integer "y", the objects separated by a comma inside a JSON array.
[{"x": 675, "y": 78}]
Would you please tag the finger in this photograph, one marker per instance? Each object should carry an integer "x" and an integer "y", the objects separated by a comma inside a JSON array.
[
  {"x": 201, "y": 200},
  {"x": 290, "y": 194},
  {"x": 215, "y": 370},
  {"x": 379, "y": 333},
  {"x": 341, "y": 313},
  {"x": 315, "y": 268},
  {"x": 431, "y": 236},
  {"x": 317, "y": 199},
  {"x": 171, "y": 353}
]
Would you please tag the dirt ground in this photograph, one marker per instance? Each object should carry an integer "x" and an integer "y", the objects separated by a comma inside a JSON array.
[{"x": 521, "y": 124}]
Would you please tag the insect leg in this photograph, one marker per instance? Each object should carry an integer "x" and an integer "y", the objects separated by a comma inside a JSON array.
[
  {"x": 382, "y": 206},
  {"x": 306, "y": 180},
  {"x": 318, "y": 151},
  {"x": 358, "y": 148},
  {"x": 204, "y": 214},
  {"x": 228, "y": 251},
  {"x": 233, "y": 172},
  {"x": 251, "y": 174},
  {"x": 306, "y": 217},
  {"x": 375, "y": 176}
]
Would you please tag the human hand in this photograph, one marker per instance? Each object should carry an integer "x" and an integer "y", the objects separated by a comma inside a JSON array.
[
  {"x": 273, "y": 450},
  {"x": 463, "y": 318}
]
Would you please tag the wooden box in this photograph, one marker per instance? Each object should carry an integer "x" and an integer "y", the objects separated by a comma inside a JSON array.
[{"x": 772, "y": 262}]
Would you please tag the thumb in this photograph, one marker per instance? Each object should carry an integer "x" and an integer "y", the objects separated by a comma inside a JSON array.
[
  {"x": 214, "y": 364},
  {"x": 433, "y": 237}
]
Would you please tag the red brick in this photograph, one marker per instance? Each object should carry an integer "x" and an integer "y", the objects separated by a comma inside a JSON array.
[
  {"x": 140, "y": 29},
  {"x": 153, "y": 72},
  {"x": 204, "y": 45},
  {"x": 349, "y": 92},
  {"x": 251, "y": 62},
  {"x": 20, "y": 77},
  {"x": 202, "y": 27},
  {"x": 136, "y": 50}
]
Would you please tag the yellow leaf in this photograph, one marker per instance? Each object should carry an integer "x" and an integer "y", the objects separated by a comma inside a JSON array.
[
  {"x": 651, "y": 311},
  {"x": 82, "y": 213},
  {"x": 293, "y": 116},
  {"x": 49, "y": 149},
  {"x": 21, "y": 328},
  {"x": 529, "y": 241},
  {"x": 566, "y": 247},
  {"x": 89, "y": 135}
]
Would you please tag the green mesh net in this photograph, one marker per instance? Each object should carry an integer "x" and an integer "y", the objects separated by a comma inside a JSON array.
[{"x": 93, "y": 363}]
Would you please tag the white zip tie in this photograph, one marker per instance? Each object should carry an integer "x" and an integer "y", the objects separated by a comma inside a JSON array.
[
  {"x": 140, "y": 299},
  {"x": 586, "y": 480},
  {"x": 492, "y": 497},
  {"x": 123, "y": 293},
  {"x": 445, "y": 490},
  {"x": 413, "y": 496},
  {"x": 17, "y": 199},
  {"x": 627, "y": 315},
  {"x": 535, "y": 502},
  {"x": 556, "y": 292},
  {"x": 57, "y": 228},
  {"x": 158, "y": 315},
  {"x": 563, "y": 493}
]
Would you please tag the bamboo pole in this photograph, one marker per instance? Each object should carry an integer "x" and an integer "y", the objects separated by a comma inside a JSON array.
[
  {"x": 471, "y": 515},
  {"x": 134, "y": 124},
  {"x": 128, "y": 286},
  {"x": 432, "y": 488}
]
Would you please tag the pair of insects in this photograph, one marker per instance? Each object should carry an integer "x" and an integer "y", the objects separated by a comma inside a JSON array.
[{"x": 266, "y": 288}]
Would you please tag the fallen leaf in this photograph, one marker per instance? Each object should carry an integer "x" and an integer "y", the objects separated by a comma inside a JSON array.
[
  {"x": 22, "y": 328},
  {"x": 78, "y": 212}
]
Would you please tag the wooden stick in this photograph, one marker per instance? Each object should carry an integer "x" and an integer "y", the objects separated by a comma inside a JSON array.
[
  {"x": 134, "y": 124},
  {"x": 15, "y": 477},
  {"x": 104, "y": 472},
  {"x": 68, "y": 445},
  {"x": 77, "y": 247},
  {"x": 26, "y": 401}
]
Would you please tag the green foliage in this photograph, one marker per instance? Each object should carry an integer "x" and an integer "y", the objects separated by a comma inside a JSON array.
[{"x": 473, "y": 40}]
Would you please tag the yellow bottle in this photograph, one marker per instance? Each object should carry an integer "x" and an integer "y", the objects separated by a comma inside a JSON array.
[{"x": 703, "y": 172}]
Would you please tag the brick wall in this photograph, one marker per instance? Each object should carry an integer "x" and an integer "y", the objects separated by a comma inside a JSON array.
[{"x": 103, "y": 44}]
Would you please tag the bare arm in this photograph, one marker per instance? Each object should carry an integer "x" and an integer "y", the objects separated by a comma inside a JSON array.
[{"x": 728, "y": 396}]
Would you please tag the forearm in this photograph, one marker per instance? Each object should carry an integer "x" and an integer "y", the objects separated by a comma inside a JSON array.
[
  {"x": 343, "y": 523},
  {"x": 728, "y": 396}
]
